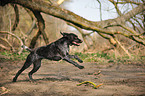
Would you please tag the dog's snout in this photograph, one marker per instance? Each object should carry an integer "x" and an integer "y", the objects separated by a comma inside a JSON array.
[{"x": 81, "y": 41}]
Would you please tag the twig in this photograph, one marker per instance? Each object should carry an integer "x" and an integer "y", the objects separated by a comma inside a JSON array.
[
  {"x": 100, "y": 10},
  {"x": 94, "y": 85},
  {"x": 126, "y": 51},
  {"x": 4, "y": 90}
]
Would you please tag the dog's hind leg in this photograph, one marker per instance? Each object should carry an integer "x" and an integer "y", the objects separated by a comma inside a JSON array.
[
  {"x": 37, "y": 64},
  {"x": 27, "y": 63}
]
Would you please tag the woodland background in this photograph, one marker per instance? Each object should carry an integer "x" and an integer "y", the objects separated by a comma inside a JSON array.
[
  {"x": 113, "y": 50},
  {"x": 20, "y": 24}
]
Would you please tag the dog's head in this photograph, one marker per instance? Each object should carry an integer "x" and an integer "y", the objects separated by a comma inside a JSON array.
[{"x": 72, "y": 38}]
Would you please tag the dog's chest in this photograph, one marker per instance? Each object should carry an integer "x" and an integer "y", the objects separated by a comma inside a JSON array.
[{"x": 64, "y": 48}]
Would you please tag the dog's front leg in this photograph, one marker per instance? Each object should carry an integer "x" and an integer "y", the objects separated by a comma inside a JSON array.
[
  {"x": 76, "y": 57},
  {"x": 73, "y": 62}
]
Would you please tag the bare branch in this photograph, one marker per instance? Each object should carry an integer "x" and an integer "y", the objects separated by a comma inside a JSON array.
[
  {"x": 126, "y": 1},
  {"x": 100, "y": 10},
  {"x": 129, "y": 1},
  {"x": 33, "y": 21},
  {"x": 21, "y": 42},
  {"x": 16, "y": 16},
  {"x": 116, "y": 7},
  {"x": 4, "y": 47},
  {"x": 68, "y": 16},
  {"x": 126, "y": 51},
  {"x": 34, "y": 39},
  {"x": 41, "y": 27},
  {"x": 32, "y": 27},
  {"x": 111, "y": 40},
  {"x": 132, "y": 13},
  {"x": 7, "y": 42},
  {"x": 138, "y": 22}
]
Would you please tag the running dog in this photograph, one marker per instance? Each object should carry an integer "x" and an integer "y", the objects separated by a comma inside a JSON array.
[{"x": 55, "y": 51}]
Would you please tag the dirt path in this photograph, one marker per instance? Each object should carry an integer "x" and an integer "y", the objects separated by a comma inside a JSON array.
[{"x": 61, "y": 78}]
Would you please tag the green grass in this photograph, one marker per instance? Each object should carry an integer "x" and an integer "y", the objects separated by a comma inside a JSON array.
[
  {"x": 108, "y": 58},
  {"x": 14, "y": 56},
  {"x": 86, "y": 57},
  {"x": 93, "y": 57}
]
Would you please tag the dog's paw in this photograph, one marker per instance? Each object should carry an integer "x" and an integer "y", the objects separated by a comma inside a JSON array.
[
  {"x": 14, "y": 80},
  {"x": 80, "y": 61},
  {"x": 81, "y": 67}
]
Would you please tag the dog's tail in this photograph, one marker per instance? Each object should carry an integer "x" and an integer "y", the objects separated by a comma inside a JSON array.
[{"x": 26, "y": 48}]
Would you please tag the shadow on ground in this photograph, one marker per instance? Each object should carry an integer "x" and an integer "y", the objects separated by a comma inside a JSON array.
[{"x": 61, "y": 79}]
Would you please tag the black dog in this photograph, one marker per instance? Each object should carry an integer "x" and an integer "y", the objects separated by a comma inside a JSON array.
[{"x": 55, "y": 51}]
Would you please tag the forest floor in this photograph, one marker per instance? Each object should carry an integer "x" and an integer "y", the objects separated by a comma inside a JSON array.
[{"x": 61, "y": 79}]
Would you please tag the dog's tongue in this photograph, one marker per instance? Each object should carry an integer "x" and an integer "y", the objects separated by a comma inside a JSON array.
[{"x": 76, "y": 43}]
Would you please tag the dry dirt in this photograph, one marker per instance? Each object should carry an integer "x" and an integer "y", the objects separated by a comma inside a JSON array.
[{"x": 61, "y": 79}]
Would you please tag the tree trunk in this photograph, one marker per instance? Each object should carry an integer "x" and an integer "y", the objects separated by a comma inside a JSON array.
[{"x": 41, "y": 27}]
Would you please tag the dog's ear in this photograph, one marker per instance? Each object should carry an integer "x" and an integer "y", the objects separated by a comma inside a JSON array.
[
  {"x": 64, "y": 34},
  {"x": 61, "y": 33}
]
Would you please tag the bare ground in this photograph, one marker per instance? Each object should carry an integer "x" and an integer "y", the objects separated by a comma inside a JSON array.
[{"x": 61, "y": 79}]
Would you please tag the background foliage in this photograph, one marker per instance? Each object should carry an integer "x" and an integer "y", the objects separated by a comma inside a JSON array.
[{"x": 22, "y": 23}]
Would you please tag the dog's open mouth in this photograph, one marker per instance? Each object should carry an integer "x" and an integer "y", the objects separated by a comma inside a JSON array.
[{"x": 75, "y": 43}]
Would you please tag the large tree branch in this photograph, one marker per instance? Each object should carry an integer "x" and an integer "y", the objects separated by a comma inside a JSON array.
[
  {"x": 69, "y": 16},
  {"x": 56, "y": 11}
]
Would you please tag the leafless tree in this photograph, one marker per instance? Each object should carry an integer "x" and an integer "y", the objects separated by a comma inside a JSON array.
[{"x": 108, "y": 29}]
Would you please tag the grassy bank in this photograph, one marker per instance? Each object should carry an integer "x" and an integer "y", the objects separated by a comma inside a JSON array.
[{"x": 86, "y": 57}]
